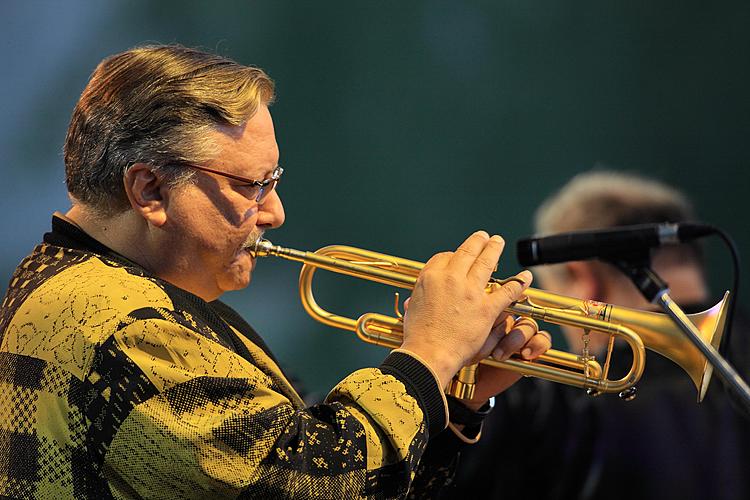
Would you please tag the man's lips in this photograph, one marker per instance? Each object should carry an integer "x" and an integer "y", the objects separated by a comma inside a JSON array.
[{"x": 252, "y": 241}]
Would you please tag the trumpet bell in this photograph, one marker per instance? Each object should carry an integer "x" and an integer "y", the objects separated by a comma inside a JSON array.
[
  {"x": 656, "y": 330},
  {"x": 661, "y": 336}
]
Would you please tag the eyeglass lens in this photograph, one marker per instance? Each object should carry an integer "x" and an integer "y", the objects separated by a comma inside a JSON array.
[{"x": 264, "y": 191}]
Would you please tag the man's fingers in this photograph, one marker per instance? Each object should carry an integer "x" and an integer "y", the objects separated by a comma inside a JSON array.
[
  {"x": 486, "y": 262},
  {"x": 513, "y": 288},
  {"x": 537, "y": 345},
  {"x": 523, "y": 330},
  {"x": 505, "y": 320},
  {"x": 466, "y": 254}
]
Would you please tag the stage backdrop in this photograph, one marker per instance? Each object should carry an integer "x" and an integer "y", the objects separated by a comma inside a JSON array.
[{"x": 405, "y": 126}]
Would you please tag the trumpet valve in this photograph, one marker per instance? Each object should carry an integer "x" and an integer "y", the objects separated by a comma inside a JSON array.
[
  {"x": 628, "y": 394},
  {"x": 463, "y": 385}
]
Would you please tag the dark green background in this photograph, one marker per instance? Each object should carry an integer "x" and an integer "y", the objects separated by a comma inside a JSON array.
[{"x": 405, "y": 126}]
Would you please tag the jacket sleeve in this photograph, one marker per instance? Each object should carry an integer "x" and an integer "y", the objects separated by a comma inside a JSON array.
[{"x": 194, "y": 419}]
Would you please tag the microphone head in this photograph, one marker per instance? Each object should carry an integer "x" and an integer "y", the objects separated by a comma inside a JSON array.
[
  {"x": 526, "y": 252},
  {"x": 628, "y": 243}
]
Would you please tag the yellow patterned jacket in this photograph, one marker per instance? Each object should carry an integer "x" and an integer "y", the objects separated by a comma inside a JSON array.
[{"x": 114, "y": 383}]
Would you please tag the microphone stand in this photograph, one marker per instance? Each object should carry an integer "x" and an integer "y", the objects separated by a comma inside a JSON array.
[{"x": 656, "y": 291}]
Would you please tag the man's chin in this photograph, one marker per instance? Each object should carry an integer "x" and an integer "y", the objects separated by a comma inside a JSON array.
[
  {"x": 239, "y": 273},
  {"x": 233, "y": 283},
  {"x": 253, "y": 261}
]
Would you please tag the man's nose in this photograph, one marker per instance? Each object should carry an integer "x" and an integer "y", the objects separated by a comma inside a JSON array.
[{"x": 271, "y": 212}]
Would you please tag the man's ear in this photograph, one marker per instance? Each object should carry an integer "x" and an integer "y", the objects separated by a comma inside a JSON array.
[
  {"x": 585, "y": 280},
  {"x": 147, "y": 192}
]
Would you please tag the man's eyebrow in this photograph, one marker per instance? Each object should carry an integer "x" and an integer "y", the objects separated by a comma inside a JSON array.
[
  {"x": 264, "y": 175},
  {"x": 268, "y": 174}
]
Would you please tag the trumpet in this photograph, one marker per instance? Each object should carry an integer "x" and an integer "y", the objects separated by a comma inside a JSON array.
[{"x": 639, "y": 329}]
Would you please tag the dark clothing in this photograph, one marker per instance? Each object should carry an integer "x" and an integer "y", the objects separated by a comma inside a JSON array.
[
  {"x": 114, "y": 383},
  {"x": 549, "y": 441}
]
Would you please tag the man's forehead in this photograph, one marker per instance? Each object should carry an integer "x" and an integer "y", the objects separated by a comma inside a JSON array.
[
  {"x": 260, "y": 124},
  {"x": 250, "y": 148}
]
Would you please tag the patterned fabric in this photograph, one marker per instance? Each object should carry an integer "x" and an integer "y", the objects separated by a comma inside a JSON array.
[{"x": 115, "y": 384}]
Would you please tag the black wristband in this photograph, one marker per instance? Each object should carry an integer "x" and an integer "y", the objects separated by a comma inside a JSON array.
[{"x": 460, "y": 414}]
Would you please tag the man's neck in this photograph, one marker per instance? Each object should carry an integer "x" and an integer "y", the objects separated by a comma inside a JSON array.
[
  {"x": 129, "y": 235},
  {"x": 118, "y": 233}
]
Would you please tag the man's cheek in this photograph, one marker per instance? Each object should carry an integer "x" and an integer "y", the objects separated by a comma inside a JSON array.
[{"x": 249, "y": 214}]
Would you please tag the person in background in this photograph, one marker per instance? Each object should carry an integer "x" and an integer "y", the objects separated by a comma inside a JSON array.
[
  {"x": 123, "y": 376},
  {"x": 663, "y": 444}
]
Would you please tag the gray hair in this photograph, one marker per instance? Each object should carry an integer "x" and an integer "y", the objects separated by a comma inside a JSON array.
[
  {"x": 604, "y": 198},
  {"x": 156, "y": 105}
]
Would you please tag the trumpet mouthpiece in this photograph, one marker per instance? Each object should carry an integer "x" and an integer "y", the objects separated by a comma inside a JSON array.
[{"x": 261, "y": 248}]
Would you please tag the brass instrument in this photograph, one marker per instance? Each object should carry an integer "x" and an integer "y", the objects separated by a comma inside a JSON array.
[{"x": 639, "y": 329}]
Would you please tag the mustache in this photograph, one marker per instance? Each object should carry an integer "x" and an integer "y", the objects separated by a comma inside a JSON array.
[{"x": 253, "y": 238}]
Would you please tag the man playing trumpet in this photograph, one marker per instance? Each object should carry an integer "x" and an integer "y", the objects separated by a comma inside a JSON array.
[{"x": 123, "y": 375}]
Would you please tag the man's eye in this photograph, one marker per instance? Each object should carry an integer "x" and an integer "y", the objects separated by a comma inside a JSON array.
[{"x": 249, "y": 190}]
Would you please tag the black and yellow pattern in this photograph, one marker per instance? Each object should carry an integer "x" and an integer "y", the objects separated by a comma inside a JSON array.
[{"x": 116, "y": 384}]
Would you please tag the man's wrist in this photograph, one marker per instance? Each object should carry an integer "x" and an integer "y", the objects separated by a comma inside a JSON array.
[
  {"x": 477, "y": 406},
  {"x": 437, "y": 360},
  {"x": 460, "y": 413}
]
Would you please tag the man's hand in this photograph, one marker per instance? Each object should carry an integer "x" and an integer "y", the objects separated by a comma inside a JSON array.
[
  {"x": 452, "y": 321},
  {"x": 519, "y": 337}
]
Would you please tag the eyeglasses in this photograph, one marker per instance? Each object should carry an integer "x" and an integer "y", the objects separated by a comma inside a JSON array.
[{"x": 258, "y": 189}]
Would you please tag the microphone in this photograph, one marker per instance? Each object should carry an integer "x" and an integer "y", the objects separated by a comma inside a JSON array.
[{"x": 608, "y": 244}]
